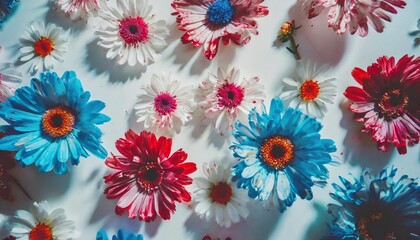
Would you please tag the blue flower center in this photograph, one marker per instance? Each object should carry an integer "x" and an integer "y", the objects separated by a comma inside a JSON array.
[{"x": 221, "y": 12}]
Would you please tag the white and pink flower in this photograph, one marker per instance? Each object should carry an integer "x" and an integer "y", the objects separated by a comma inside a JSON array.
[
  {"x": 226, "y": 96},
  {"x": 216, "y": 197},
  {"x": 9, "y": 80},
  {"x": 78, "y": 9},
  {"x": 208, "y": 22},
  {"x": 354, "y": 15},
  {"x": 131, "y": 34},
  {"x": 165, "y": 105}
]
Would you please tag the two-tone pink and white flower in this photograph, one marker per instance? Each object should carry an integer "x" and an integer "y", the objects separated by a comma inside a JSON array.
[
  {"x": 226, "y": 97},
  {"x": 216, "y": 197},
  {"x": 9, "y": 80},
  {"x": 165, "y": 105},
  {"x": 206, "y": 22},
  {"x": 78, "y": 9},
  {"x": 354, "y": 15},
  {"x": 130, "y": 32}
]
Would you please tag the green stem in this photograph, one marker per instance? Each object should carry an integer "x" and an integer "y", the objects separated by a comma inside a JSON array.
[
  {"x": 22, "y": 188},
  {"x": 294, "y": 47}
]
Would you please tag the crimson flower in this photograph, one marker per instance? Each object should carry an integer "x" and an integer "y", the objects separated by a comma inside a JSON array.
[
  {"x": 149, "y": 180},
  {"x": 388, "y": 102}
]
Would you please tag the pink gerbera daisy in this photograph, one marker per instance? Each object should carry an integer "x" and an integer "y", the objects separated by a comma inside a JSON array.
[
  {"x": 208, "y": 21},
  {"x": 388, "y": 102},
  {"x": 354, "y": 15},
  {"x": 226, "y": 97},
  {"x": 149, "y": 180}
]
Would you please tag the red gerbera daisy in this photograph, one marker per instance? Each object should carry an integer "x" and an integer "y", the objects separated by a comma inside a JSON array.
[
  {"x": 388, "y": 102},
  {"x": 149, "y": 180}
]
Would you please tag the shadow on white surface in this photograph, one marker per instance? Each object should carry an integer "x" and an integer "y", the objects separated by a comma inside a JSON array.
[
  {"x": 360, "y": 148},
  {"x": 60, "y": 19},
  {"x": 318, "y": 228},
  {"x": 264, "y": 221},
  {"x": 317, "y": 41},
  {"x": 97, "y": 62}
]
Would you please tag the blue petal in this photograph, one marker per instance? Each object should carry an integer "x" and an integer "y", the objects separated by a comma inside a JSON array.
[{"x": 101, "y": 235}]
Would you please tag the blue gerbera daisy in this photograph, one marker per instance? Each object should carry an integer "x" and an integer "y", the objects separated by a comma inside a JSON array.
[
  {"x": 121, "y": 235},
  {"x": 376, "y": 207},
  {"x": 6, "y": 7},
  {"x": 51, "y": 122},
  {"x": 281, "y": 155}
]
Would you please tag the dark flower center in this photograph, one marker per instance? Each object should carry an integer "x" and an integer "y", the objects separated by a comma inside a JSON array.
[
  {"x": 230, "y": 95},
  {"x": 393, "y": 104},
  {"x": 165, "y": 103},
  {"x": 277, "y": 152},
  {"x": 41, "y": 231},
  {"x": 134, "y": 30},
  {"x": 221, "y": 193},
  {"x": 220, "y": 12},
  {"x": 374, "y": 227},
  {"x": 150, "y": 176},
  {"x": 58, "y": 121}
]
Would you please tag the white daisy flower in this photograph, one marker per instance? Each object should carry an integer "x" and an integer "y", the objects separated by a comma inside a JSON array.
[
  {"x": 43, "y": 46},
  {"x": 217, "y": 197},
  {"x": 131, "y": 33},
  {"x": 226, "y": 97},
  {"x": 164, "y": 105},
  {"x": 40, "y": 224},
  {"x": 9, "y": 80},
  {"x": 78, "y": 9},
  {"x": 312, "y": 88}
]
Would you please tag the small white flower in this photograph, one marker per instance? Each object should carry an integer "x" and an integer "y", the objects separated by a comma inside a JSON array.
[
  {"x": 43, "y": 46},
  {"x": 131, "y": 33},
  {"x": 78, "y": 9},
  {"x": 226, "y": 97},
  {"x": 164, "y": 105},
  {"x": 217, "y": 197},
  {"x": 42, "y": 224},
  {"x": 9, "y": 80},
  {"x": 312, "y": 88}
]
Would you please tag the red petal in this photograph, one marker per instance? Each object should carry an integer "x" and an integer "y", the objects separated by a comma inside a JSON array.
[
  {"x": 359, "y": 75},
  {"x": 357, "y": 94}
]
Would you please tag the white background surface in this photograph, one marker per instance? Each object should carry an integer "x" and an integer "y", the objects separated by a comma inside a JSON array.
[{"x": 80, "y": 191}]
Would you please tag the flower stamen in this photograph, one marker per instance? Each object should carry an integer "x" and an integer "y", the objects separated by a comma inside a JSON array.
[
  {"x": 309, "y": 90},
  {"x": 277, "y": 152},
  {"x": 43, "y": 46},
  {"x": 58, "y": 121},
  {"x": 41, "y": 231}
]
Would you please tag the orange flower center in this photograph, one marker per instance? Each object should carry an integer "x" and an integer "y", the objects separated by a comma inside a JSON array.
[
  {"x": 41, "y": 231},
  {"x": 221, "y": 193},
  {"x": 43, "y": 46},
  {"x": 309, "y": 90},
  {"x": 277, "y": 152},
  {"x": 58, "y": 121}
]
